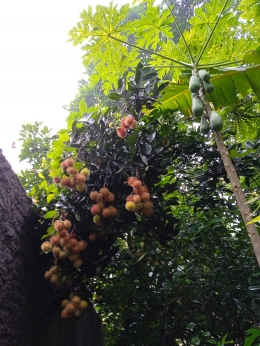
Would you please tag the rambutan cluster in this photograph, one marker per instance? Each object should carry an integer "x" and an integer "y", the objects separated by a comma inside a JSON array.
[
  {"x": 54, "y": 274},
  {"x": 102, "y": 197},
  {"x": 127, "y": 123},
  {"x": 73, "y": 307},
  {"x": 75, "y": 179},
  {"x": 139, "y": 201},
  {"x": 64, "y": 246}
]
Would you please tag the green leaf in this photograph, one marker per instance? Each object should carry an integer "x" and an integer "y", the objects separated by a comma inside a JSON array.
[
  {"x": 255, "y": 333},
  {"x": 115, "y": 96},
  {"x": 83, "y": 107},
  {"x": 50, "y": 197},
  {"x": 251, "y": 57},
  {"x": 50, "y": 214},
  {"x": 64, "y": 137}
]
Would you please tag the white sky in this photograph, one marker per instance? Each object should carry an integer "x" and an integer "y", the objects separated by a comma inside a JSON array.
[{"x": 39, "y": 69}]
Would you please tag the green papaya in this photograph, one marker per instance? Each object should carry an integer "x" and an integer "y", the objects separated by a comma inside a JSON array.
[
  {"x": 216, "y": 121},
  {"x": 197, "y": 106},
  {"x": 204, "y": 125},
  {"x": 208, "y": 87},
  {"x": 204, "y": 75},
  {"x": 194, "y": 95},
  {"x": 194, "y": 84}
]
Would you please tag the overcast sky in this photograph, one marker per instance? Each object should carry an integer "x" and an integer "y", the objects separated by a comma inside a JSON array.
[{"x": 39, "y": 69}]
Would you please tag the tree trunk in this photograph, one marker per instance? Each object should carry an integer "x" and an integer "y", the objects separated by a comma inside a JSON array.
[{"x": 24, "y": 292}]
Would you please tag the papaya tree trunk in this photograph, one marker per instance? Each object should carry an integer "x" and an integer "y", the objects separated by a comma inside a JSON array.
[{"x": 236, "y": 187}]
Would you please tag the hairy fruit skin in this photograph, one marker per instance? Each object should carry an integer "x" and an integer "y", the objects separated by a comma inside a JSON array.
[
  {"x": 92, "y": 236},
  {"x": 110, "y": 197},
  {"x": 58, "y": 225},
  {"x": 104, "y": 191},
  {"x": 145, "y": 196},
  {"x": 130, "y": 206},
  {"x": 77, "y": 263},
  {"x": 80, "y": 187},
  {"x": 86, "y": 172},
  {"x": 131, "y": 180},
  {"x": 65, "y": 182},
  {"x": 67, "y": 224},
  {"x": 94, "y": 195},
  {"x": 83, "y": 305},
  {"x": 55, "y": 240},
  {"x": 72, "y": 170},
  {"x": 95, "y": 209},
  {"x": 113, "y": 211},
  {"x": 46, "y": 246},
  {"x": 121, "y": 132},
  {"x": 80, "y": 178},
  {"x": 56, "y": 180},
  {"x": 76, "y": 301},
  {"x": 106, "y": 212},
  {"x": 82, "y": 245},
  {"x": 64, "y": 303},
  {"x": 70, "y": 308},
  {"x": 96, "y": 219},
  {"x": 65, "y": 314}
]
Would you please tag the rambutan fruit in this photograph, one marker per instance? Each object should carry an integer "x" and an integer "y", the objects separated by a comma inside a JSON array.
[
  {"x": 47, "y": 275},
  {"x": 65, "y": 314},
  {"x": 69, "y": 162},
  {"x": 73, "y": 235},
  {"x": 86, "y": 172},
  {"x": 124, "y": 125},
  {"x": 58, "y": 225},
  {"x": 138, "y": 190},
  {"x": 129, "y": 120},
  {"x": 78, "y": 313},
  {"x": 148, "y": 211},
  {"x": 101, "y": 205},
  {"x": 148, "y": 205},
  {"x": 80, "y": 187},
  {"x": 96, "y": 219},
  {"x": 64, "y": 303},
  {"x": 73, "y": 257},
  {"x": 133, "y": 125},
  {"x": 111, "y": 124},
  {"x": 139, "y": 206},
  {"x": 106, "y": 212},
  {"x": 78, "y": 263},
  {"x": 92, "y": 236},
  {"x": 130, "y": 198},
  {"x": 82, "y": 245},
  {"x": 54, "y": 270},
  {"x": 104, "y": 191},
  {"x": 136, "y": 198},
  {"x": 63, "y": 165},
  {"x": 76, "y": 301},
  {"x": 131, "y": 180},
  {"x": 56, "y": 180},
  {"x": 46, "y": 246},
  {"x": 113, "y": 211},
  {"x": 110, "y": 197},
  {"x": 95, "y": 209},
  {"x": 70, "y": 308},
  {"x": 72, "y": 170},
  {"x": 65, "y": 240},
  {"x": 80, "y": 178},
  {"x": 83, "y": 304},
  {"x": 56, "y": 250},
  {"x": 130, "y": 206},
  {"x": 55, "y": 240},
  {"x": 145, "y": 189},
  {"x": 73, "y": 242},
  {"x": 94, "y": 195},
  {"x": 54, "y": 279},
  {"x": 137, "y": 183},
  {"x": 65, "y": 182},
  {"x": 75, "y": 250},
  {"x": 67, "y": 247},
  {"x": 72, "y": 184},
  {"x": 63, "y": 233},
  {"x": 146, "y": 196},
  {"x": 63, "y": 254},
  {"x": 121, "y": 132},
  {"x": 67, "y": 224}
]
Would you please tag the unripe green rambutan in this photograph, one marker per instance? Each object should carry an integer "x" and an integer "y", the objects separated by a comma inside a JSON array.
[
  {"x": 136, "y": 198},
  {"x": 78, "y": 313},
  {"x": 80, "y": 187},
  {"x": 83, "y": 304},
  {"x": 110, "y": 197},
  {"x": 86, "y": 172},
  {"x": 56, "y": 180},
  {"x": 94, "y": 195},
  {"x": 80, "y": 178},
  {"x": 146, "y": 196},
  {"x": 139, "y": 206},
  {"x": 106, "y": 212},
  {"x": 46, "y": 246},
  {"x": 76, "y": 301},
  {"x": 78, "y": 263},
  {"x": 64, "y": 303},
  {"x": 130, "y": 206},
  {"x": 72, "y": 170},
  {"x": 121, "y": 132},
  {"x": 82, "y": 245},
  {"x": 73, "y": 257},
  {"x": 70, "y": 308},
  {"x": 113, "y": 211},
  {"x": 58, "y": 225},
  {"x": 95, "y": 209},
  {"x": 92, "y": 236},
  {"x": 55, "y": 240},
  {"x": 96, "y": 219},
  {"x": 65, "y": 182},
  {"x": 67, "y": 224},
  {"x": 111, "y": 124},
  {"x": 56, "y": 250}
]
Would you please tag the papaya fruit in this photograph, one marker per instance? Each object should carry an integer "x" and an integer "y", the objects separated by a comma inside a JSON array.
[
  {"x": 204, "y": 125},
  {"x": 215, "y": 121},
  {"x": 204, "y": 75},
  {"x": 194, "y": 95},
  {"x": 194, "y": 84},
  {"x": 208, "y": 87},
  {"x": 197, "y": 106}
]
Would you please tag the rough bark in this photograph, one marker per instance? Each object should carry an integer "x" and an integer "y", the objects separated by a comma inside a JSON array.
[{"x": 24, "y": 292}]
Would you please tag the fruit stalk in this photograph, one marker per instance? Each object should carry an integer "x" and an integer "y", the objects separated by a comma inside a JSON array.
[{"x": 236, "y": 187}]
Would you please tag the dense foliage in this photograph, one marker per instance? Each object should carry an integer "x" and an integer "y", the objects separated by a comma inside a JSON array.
[{"x": 184, "y": 272}]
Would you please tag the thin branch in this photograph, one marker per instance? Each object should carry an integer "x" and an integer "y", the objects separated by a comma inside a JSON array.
[
  {"x": 176, "y": 46},
  {"x": 219, "y": 64},
  {"x": 210, "y": 35},
  {"x": 179, "y": 29},
  {"x": 151, "y": 52}
]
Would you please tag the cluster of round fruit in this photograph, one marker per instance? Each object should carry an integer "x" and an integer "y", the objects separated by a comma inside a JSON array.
[
  {"x": 197, "y": 81},
  {"x": 127, "y": 123},
  {"x": 102, "y": 197},
  {"x": 75, "y": 180},
  {"x": 64, "y": 244},
  {"x": 139, "y": 200},
  {"x": 73, "y": 307},
  {"x": 56, "y": 278}
]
